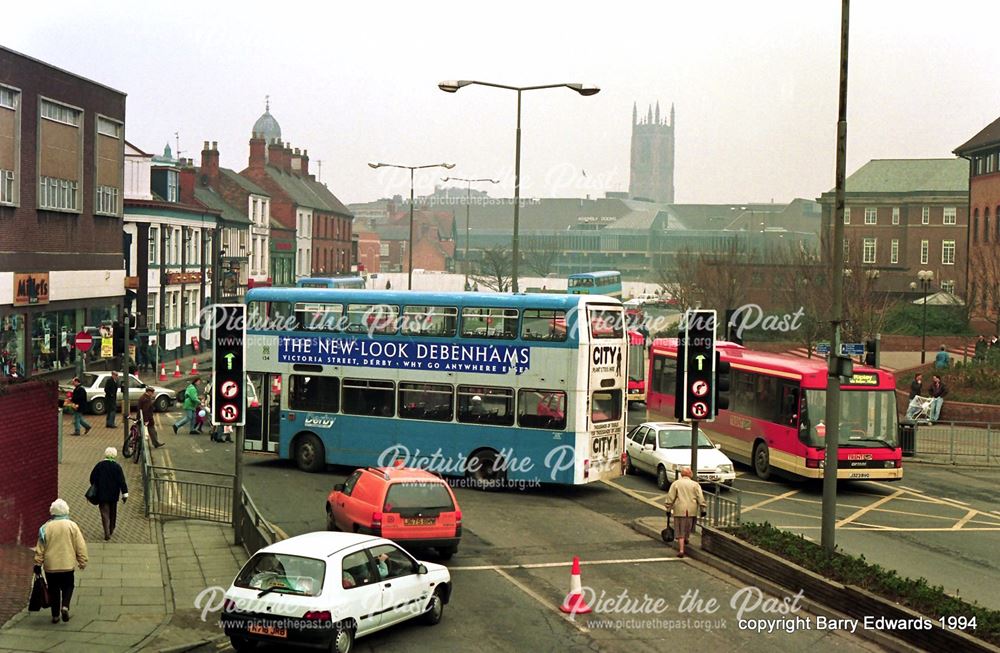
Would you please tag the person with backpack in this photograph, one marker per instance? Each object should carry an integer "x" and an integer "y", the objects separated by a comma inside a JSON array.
[{"x": 191, "y": 402}]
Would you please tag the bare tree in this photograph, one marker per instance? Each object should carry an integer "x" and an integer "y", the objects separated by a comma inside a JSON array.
[
  {"x": 804, "y": 289},
  {"x": 718, "y": 277},
  {"x": 984, "y": 287},
  {"x": 495, "y": 268},
  {"x": 538, "y": 255}
]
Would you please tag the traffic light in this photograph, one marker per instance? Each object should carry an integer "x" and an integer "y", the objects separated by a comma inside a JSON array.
[
  {"x": 228, "y": 364},
  {"x": 679, "y": 378},
  {"x": 721, "y": 384},
  {"x": 697, "y": 393},
  {"x": 871, "y": 353},
  {"x": 118, "y": 338}
]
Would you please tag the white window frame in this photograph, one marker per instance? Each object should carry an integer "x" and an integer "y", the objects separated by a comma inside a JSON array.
[
  {"x": 9, "y": 97},
  {"x": 57, "y": 194},
  {"x": 109, "y": 127},
  {"x": 871, "y": 215},
  {"x": 847, "y": 215},
  {"x": 869, "y": 251},
  {"x": 949, "y": 215},
  {"x": 154, "y": 245},
  {"x": 173, "y": 186},
  {"x": 925, "y": 215},
  {"x": 948, "y": 286},
  {"x": 947, "y": 252},
  {"x": 59, "y": 112},
  {"x": 847, "y": 249},
  {"x": 106, "y": 201},
  {"x": 7, "y": 187},
  {"x": 925, "y": 251},
  {"x": 895, "y": 215},
  {"x": 894, "y": 251}
]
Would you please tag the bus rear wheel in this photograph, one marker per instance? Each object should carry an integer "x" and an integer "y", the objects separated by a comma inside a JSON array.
[
  {"x": 485, "y": 470},
  {"x": 309, "y": 454},
  {"x": 762, "y": 461}
]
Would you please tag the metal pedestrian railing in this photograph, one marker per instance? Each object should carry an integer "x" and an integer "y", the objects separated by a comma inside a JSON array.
[
  {"x": 964, "y": 443},
  {"x": 724, "y": 506},
  {"x": 253, "y": 530}
]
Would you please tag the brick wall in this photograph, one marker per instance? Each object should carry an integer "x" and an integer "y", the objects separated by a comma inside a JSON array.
[{"x": 29, "y": 456}]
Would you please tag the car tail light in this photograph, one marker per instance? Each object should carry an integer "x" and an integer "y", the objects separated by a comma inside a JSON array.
[
  {"x": 458, "y": 517},
  {"x": 586, "y": 468},
  {"x": 317, "y": 615},
  {"x": 254, "y": 404},
  {"x": 377, "y": 521},
  {"x": 624, "y": 460}
]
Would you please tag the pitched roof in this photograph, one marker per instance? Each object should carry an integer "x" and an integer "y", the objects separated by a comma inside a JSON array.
[
  {"x": 243, "y": 182},
  {"x": 910, "y": 175},
  {"x": 307, "y": 193},
  {"x": 213, "y": 200},
  {"x": 990, "y": 135}
]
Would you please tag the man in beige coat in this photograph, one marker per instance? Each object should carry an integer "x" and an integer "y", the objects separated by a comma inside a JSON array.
[
  {"x": 685, "y": 501},
  {"x": 60, "y": 548}
]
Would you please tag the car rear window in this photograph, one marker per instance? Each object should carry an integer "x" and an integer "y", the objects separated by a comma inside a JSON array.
[
  {"x": 404, "y": 495},
  {"x": 281, "y": 573}
]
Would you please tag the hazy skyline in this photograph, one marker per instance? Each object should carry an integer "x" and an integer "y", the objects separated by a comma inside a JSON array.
[{"x": 754, "y": 86}]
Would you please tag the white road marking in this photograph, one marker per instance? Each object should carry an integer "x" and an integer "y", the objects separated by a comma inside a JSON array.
[
  {"x": 530, "y": 592},
  {"x": 543, "y": 565},
  {"x": 964, "y": 520},
  {"x": 869, "y": 507},
  {"x": 779, "y": 497}
]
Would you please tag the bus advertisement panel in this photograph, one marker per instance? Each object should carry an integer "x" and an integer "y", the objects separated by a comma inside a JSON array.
[
  {"x": 777, "y": 410},
  {"x": 497, "y": 388}
]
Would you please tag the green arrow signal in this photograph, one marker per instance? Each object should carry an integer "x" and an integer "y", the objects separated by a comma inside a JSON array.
[
  {"x": 700, "y": 358},
  {"x": 229, "y": 360}
]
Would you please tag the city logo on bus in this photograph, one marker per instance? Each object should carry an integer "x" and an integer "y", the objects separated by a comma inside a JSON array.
[
  {"x": 607, "y": 358},
  {"x": 320, "y": 421},
  {"x": 473, "y": 357}
]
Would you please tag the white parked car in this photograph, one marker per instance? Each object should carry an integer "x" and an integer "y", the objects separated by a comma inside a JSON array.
[
  {"x": 95, "y": 382},
  {"x": 325, "y": 589},
  {"x": 664, "y": 449}
]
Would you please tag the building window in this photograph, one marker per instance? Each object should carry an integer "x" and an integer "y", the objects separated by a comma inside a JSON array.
[
  {"x": 948, "y": 252},
  {"x": 847, "y": 215},
  {"x": 847, "y": 250},
  {"x": 925, "y": 249},
  {"x": 989, "y": 162},
  {"x": 871, "y": 216},
  {"x": 154, "y": 245},
  {"x": 894, "y": 251},
  {"x": 6, "y": 185},
  {"x": 925, "y": 215},
  {"x": 869, "y": 250},
  {"x": 986, "y": 225},
  {"x": 109, "y": 127},
  {"x": 975, "y": 226},
  {"x": 948, "y": 286},
  {"x": 950, "y": 213},
  {"x": 8, "y": 97},
  {"x": 57, "y": 194},
  {"x": 60, "y": 113},
  {"x": 979, "y": 165},
  {"x": 173, "y": 193},
  {"x": 383, "y": 250},
  {"x": 107, "y": 200},
  {"x": 895, "y": 215}
]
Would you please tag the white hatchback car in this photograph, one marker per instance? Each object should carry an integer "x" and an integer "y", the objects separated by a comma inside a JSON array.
[
  {"x": 664, "y": 449},
  {"x": 326, "y": 589}
]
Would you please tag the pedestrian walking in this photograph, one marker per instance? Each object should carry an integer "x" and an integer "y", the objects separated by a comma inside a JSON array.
[
  {"x": 942, "y": 361},
  {"x": 685, "y": 501},
  {"x": 109, "y": 480},
  {"x": 917, "y": 386},
  {"x": 190, "y": 406},
  {"x": 981, "y": 347},
  {"x": 79, "y": 401},
  {"x": 111, "y": 399},
  {"x": 146, "y": 412},
  {"x": 388, "y": 285},
  {"x": 938, "y": 392},
  {"x": 60, "y": 548}
]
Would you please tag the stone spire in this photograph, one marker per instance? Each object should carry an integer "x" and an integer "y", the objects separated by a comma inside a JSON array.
[
  {"x": 635, "y": 114},
  {"x": 657, "y": 112}
]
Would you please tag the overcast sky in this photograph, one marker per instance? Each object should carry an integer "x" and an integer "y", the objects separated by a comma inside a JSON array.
[{"x": 754, "y": 85}]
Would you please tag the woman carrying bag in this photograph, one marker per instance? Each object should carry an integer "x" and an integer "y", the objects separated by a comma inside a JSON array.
[{"x": 60, "y": 548}]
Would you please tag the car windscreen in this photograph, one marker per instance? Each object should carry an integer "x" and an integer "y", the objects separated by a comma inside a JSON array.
[
  {"x": 677, "y": 439},
  {"x": 282, "y": 573},
  {"x": 406, "y": 495}
]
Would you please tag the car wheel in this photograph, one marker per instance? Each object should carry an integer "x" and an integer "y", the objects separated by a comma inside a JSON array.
[
  {"x": 331, "y": 523},
  {"x": 161, "y": 404},
  {"x": 309, "y": 454},
  {"x": 629, "y": 467},
  {"x": 343, "y": 640},
  {"x": 241, "y": 644},
  {"x": 435, "y": 610},
  {"x": 485, "y": 470},
  {"x": 446, "y": 552},
  {"x": 97, "y": 406},
  {"x": 762, "y": 461},
  {"x": 728, "y": 484},
  {"x": 662, "y": 481}
]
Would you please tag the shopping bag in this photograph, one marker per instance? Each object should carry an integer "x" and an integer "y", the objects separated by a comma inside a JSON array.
[
  {"x": 667, "y": 534},
  {"x": 91, "y": 494},
  {"x": 39, "y": 598}
]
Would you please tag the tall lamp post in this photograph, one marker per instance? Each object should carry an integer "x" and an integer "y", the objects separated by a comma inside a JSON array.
[
  {"x": 468, "y": 201},
  {"x": 925, "y": 277},
  {"x": 448, "y": 166},
  {"x": 452, "y": 86}
]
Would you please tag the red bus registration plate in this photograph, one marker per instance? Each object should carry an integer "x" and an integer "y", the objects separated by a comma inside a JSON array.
[{"x": 270, "y": 631}]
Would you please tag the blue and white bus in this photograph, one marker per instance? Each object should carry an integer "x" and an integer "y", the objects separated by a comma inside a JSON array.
[
  {"x": 330, "y": 282},
  {"x": 494, "y": 387},
  {"x": 607, "y": 282}
]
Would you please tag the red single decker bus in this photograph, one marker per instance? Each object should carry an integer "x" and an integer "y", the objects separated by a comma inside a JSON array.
[
  {"x": 777, "y": 409},
  {"x": 636, "y": 367}
]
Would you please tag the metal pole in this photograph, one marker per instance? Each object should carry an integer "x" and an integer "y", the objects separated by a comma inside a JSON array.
[
  {"x": 238, "y": 486},
  {"x": 829, "y": 516},
  {"x": 923, "y": 332},
  {"x": 517, "y": 195},
  {"x": 694, "y": 449},
  {"x": 126, "y": 357},
  {"x": 468, "y": 200},
  {"x": 409, "y": 279}
]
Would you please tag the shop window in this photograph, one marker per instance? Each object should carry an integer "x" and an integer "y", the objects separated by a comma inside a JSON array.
[{"x": 11, "y": 343}]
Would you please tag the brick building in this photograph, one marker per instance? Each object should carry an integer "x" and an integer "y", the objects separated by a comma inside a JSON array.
[
  {"x": 903, "y": 216},
  {"x": 982, "y": 152},
  {"x": 61, "y": 188},
  {"x": 369, "y": 256}
]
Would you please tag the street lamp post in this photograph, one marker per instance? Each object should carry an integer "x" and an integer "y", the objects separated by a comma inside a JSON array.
[
  {"x": 468, "y": 201},
  {"x": 452, "y": 86},
  {"x": 925, "y": 277},
  {"x": 448, "y": 166}
]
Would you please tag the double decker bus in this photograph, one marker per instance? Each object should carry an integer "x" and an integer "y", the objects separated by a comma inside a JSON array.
[
  {"x": 607, "y": 282},
  {"x": 777, "y": 409},
  {"x": 330, "y": 282},
  {"x": 497, "y": 388}
]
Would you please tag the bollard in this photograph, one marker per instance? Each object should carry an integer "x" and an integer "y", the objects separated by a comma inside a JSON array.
[{"x": 59, "y": 421}]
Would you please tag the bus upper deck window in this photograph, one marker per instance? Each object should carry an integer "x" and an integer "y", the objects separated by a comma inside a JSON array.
[
  {"x": 543, "y": 325},
  {"x": 489, "y": 323}
]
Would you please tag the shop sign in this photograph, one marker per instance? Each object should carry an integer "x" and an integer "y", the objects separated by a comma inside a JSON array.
[
  {"x": 177, "y": 278},
  {"x": 31, "y": 288}
]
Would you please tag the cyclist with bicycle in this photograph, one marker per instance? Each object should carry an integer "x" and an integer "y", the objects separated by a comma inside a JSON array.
[{"x": 146, "y": 411}]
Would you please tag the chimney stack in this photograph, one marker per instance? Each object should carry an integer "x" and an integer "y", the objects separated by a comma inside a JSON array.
[
  {"x": 187, "y": 179},
  {"x": 296, "y": 162},
  {"x": 305, "y": 164},
  {"x": 210, "y": 162},
  {"x": 258, "y": 152},
  {"x": 275, "y": 153}
]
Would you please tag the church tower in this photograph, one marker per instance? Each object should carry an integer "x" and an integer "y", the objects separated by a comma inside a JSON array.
[{"x": 652, "y": 168}]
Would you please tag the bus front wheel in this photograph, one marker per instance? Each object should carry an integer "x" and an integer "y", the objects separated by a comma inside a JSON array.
[
  {"x": 762, "y": 461},
  {"x": 485, "y": 470},
  {"x": 309, "y": 453}
]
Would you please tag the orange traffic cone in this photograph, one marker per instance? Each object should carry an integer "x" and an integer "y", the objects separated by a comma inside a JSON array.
[
  {"x": 163, "y": 371},
  {"x": 575, "y": 603},
  {"x": 194, "y": 367},
  {"x": 177, "y": 369}
]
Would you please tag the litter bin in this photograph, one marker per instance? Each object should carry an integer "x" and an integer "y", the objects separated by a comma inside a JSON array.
[{"x": 908, "y": 438}]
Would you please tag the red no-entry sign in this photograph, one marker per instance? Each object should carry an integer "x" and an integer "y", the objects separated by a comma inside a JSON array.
[{"x": 83, "y": 341}]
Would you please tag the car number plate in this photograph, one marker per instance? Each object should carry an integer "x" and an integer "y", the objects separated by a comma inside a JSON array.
[
  {"x": 419, "y": 521},
  {"x": 270, "y": 631}
]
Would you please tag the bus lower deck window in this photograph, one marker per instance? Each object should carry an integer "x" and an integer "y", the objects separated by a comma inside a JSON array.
[
  {"x": 541, "y": 409},
  {"x": 486, "y": 405},
  {"x": 365, "y": 397},
  {"x": 426, "y": 401}
]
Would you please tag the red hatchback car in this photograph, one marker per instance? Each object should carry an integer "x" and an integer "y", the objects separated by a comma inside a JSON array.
[{"x": 412, "y": 507}]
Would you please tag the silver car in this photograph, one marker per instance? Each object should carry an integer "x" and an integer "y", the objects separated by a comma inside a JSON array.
[{"x": 95, "y": 382}]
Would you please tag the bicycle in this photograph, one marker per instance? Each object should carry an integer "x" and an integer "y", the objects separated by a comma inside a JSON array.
[{"x": 132, "y": 447}]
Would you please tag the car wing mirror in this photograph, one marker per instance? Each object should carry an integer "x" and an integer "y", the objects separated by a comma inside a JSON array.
[
  {"x": 717, "y": 445},
  {"x": 339, "y": 487},
  {"x": 648, "y": 447},
  {"x": 421, "y": 570}
]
